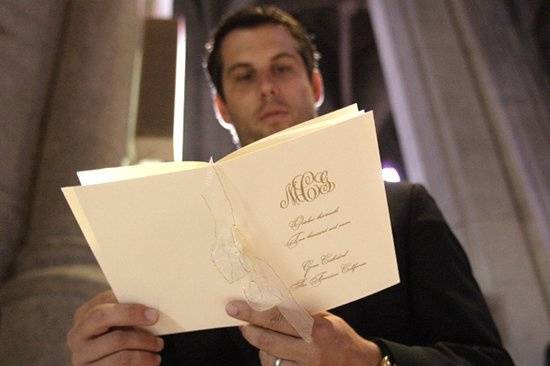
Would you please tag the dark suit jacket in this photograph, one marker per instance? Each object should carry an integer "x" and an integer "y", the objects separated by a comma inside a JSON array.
[{"x": 435, "y": 316}]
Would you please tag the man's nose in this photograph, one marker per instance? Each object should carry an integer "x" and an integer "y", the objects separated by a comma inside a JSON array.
[{"x": 268, "y": 84}]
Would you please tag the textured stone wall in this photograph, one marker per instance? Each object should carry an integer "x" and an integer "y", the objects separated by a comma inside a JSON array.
[
  {"x": 27, "y": 63},
  {"x": 84, "y": 126}
]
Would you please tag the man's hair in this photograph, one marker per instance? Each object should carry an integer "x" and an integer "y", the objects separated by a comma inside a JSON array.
[{"x": 251, "y": 17}]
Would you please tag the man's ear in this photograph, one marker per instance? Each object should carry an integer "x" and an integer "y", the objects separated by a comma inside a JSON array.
[
  {"x": 318, "y": 87},
  {"x": 222, "y": 114}
]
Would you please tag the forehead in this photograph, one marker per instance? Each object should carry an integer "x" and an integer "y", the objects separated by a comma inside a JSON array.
[{"x": 257, "y": 44}]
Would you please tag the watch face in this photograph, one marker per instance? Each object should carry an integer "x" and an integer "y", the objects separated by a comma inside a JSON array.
[{"x": 386, "y": 362}]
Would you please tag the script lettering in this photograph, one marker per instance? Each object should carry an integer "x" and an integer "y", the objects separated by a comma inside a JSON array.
[
  {"x": 308, "y": 266},
  {"x": 331, "y": 257},
  {"x": 295, "y": 239},
  {"x": 306, "y": 187},
  {"x": 317, "y": 270},
  {"x": 300, "y": 236},
  {"x": 299, "y": 221},
  {"x": 320, "y": 277},
  {"x": 351, "y": 267}
]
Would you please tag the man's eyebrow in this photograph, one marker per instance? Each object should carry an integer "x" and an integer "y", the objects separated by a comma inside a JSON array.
[
  {"x": 284, "y": 55},
  {"x": 278, "y": 56}
]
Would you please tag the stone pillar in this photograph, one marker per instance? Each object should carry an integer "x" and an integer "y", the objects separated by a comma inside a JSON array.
[
  {"x": 472, "y": 120},
  {"x": 86, "y": 128},
  {"x": 27, "y": 64}
]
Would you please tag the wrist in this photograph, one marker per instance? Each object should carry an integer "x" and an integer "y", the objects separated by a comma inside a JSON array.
[
  {"x": 374, "y": 353},
  {"x": 385, "y": 358}
]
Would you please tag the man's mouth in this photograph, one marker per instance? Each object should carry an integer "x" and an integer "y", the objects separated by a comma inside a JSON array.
[{"x": 271, "y": 114}]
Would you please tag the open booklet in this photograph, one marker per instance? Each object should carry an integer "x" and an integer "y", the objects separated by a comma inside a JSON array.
[{"x": 307, "y": 203}]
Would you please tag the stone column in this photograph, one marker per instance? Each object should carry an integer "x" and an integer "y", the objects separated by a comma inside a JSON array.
[
  {"x": 473, "y": 126},
  {"x": 26, "y": 64},
  {"x": 85, "y": 128}
]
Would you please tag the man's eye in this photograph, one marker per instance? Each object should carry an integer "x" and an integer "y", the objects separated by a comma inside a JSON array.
[
  {"x": 282, "y": 69},
  {"x": 244, "y": 77}
]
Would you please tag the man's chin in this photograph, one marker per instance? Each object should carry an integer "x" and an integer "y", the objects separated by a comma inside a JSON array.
[
  {"x": 266, "y": 131},
  {"x": 276, "y": 125},
  {"x": 274, "y": 128}
]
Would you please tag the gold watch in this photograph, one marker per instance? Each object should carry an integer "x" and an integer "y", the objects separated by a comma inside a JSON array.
[{"x": 385, "y": 361}]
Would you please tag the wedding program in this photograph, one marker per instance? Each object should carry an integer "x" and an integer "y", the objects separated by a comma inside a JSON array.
[{"x": 300, "y": 215}]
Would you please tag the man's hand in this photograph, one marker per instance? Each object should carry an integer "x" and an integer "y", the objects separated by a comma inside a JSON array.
[
  {"x": 334, "y": 341},
  {"x": 105, "y": 333}
]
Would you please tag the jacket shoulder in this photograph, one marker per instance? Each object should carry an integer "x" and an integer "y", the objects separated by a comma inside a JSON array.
[{"x": 400, "y": 197}]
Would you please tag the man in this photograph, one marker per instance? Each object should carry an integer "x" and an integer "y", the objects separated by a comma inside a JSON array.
[{"x": 263, "y": 68}]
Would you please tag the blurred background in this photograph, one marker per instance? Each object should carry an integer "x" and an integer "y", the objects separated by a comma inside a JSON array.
[{"x": 459, "y": 88}]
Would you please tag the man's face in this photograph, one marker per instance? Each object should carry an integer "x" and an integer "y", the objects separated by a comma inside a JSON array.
[{"x": 265, "y": 82}]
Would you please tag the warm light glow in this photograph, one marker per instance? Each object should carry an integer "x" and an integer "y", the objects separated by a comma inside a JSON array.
[
  {"x": 390, "y": 174},
  {"x": 179, "y": 92},
  {"x": 162, "y": 9}
]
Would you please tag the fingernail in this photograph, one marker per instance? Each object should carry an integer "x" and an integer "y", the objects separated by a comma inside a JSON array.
[
  {"x": 157, "y": 359},
  {"x": 232, "y": 309},
  {"x": 160, "y": 342},
  {"x": 151, "y": 314}
]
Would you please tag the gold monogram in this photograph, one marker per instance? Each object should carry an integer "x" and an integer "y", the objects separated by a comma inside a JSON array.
[{"x": 307, "y": 187}]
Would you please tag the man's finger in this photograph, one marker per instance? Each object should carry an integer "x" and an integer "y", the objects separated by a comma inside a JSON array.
[
  {"x": 269, "y": 360},
  {"x": 101, "y": 298},
  {"x": 134, "y": 358},
  {"x": 116, "y": 341},
  {"x": 105, "y": 316},
  {"x": 270, "y": 319},
  {"x": 277, "y": 344}
]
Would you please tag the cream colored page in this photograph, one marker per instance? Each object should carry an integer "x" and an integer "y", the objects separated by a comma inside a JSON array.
[
  {"x": 105, "y": 175},
  {"x": 154, "y": 237},
  {"x": 72, "y": 199},
  {"x": 336, "y": 247},
  {"x": 297, "y": 130}
]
